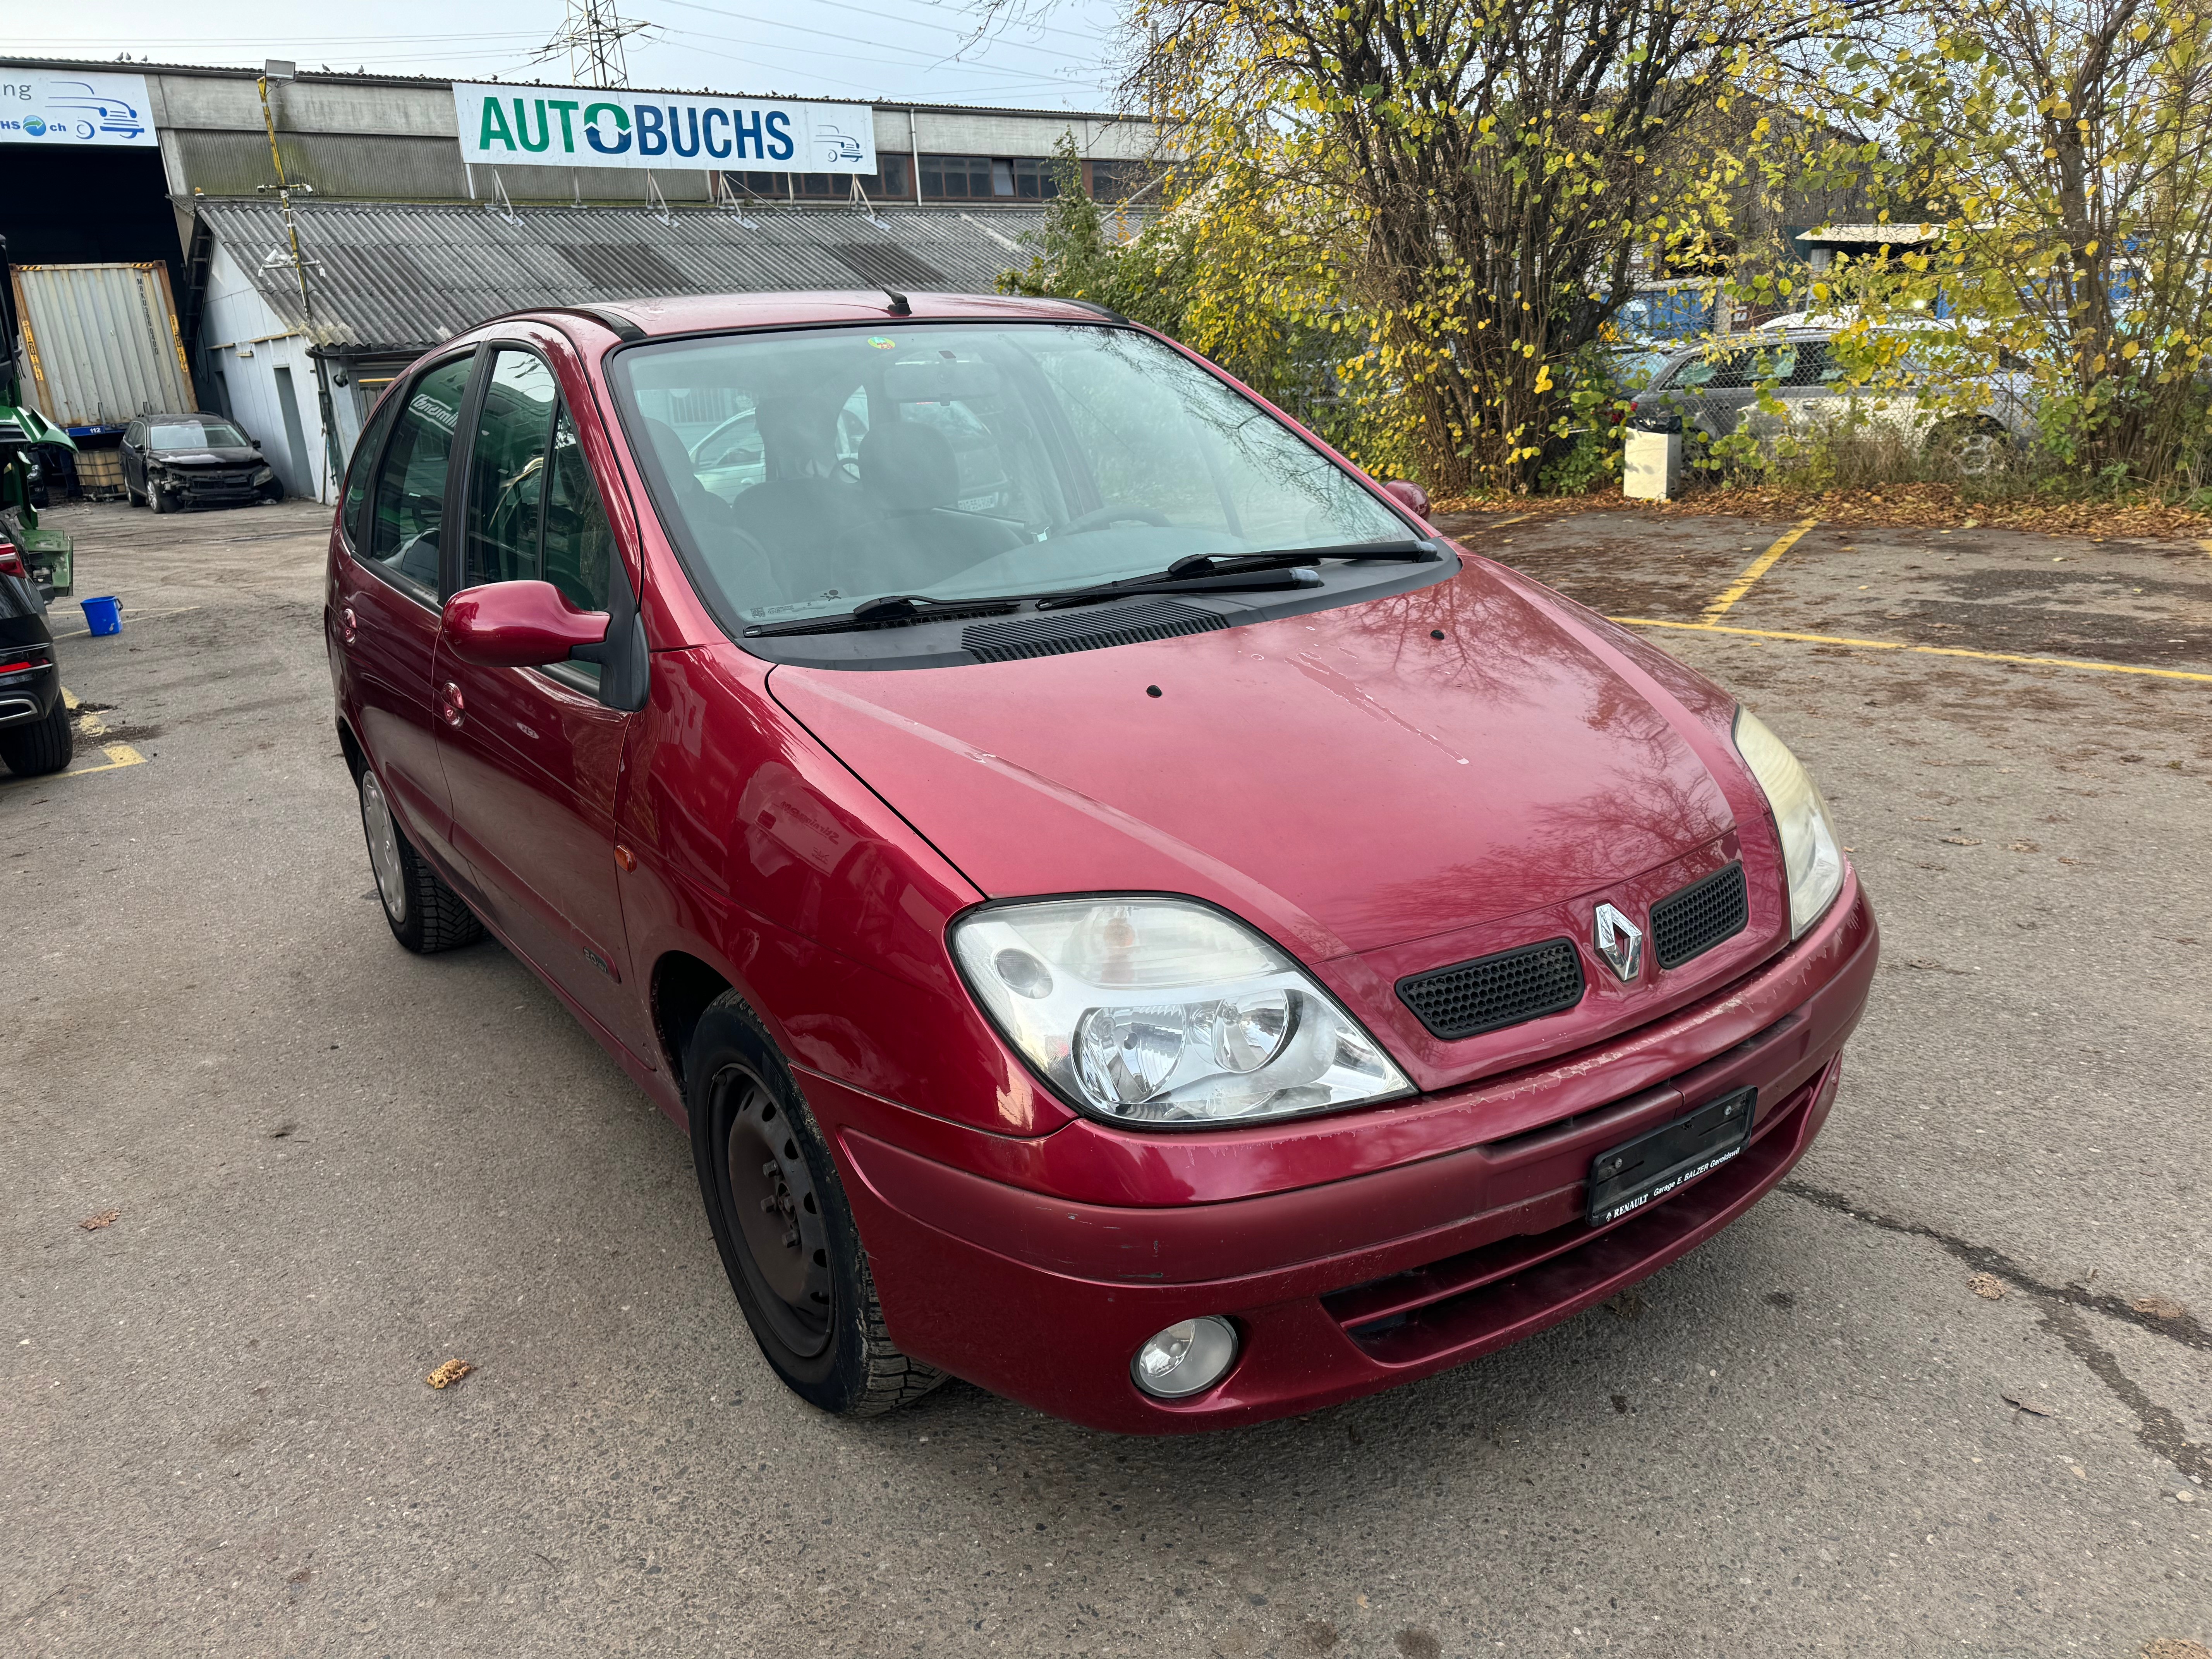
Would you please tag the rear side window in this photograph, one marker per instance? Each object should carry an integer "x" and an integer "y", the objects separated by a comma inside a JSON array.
[
  {"x": 407, "y": 509},
  {"x": 355, "y": 514}
]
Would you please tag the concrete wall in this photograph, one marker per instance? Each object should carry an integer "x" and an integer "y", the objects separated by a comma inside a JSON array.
[{"x": 246, "y": 342}]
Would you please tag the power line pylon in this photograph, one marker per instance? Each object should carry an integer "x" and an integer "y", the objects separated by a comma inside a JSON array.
[{"x": 593, "y": 37}]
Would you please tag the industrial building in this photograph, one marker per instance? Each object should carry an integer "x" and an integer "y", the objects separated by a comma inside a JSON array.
[{"x": 294, "y": 307}]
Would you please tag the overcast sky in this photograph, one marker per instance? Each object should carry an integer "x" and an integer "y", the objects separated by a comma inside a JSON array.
[{"x": 886, "y": 49}]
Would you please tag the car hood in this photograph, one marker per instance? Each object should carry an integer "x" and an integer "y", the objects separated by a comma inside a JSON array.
[{"x": 1410, "y": 766}]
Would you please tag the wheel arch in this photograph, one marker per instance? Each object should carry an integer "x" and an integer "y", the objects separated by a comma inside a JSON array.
[{"x": 683, "y": 986}]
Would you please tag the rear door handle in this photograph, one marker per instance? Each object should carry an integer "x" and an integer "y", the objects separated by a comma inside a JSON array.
[{"x": 451, "y": 706}]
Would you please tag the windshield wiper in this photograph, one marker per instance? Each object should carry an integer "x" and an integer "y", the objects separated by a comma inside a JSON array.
[
  {"x": 1229, "y": 571},
  {"x": 894, "y": 609},
  {"x": 1204, "y": 572},
  {"x": 888, "y": 611}
]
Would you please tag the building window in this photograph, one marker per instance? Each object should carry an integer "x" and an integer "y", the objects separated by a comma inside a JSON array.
[
  {"x": 989, "y": 177},
  {"x": 1116, "y": 181},
  {"x": 891, "y": 182},
  {"x": 957, "y": 177}
]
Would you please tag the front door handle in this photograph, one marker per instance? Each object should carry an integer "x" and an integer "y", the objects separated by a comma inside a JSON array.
[{"x": 451, "y": 706}]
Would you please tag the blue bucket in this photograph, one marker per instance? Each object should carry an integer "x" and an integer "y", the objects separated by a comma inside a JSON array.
[{"x": 103, "y": 616}]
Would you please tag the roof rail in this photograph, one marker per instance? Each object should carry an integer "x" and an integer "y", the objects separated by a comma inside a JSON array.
[
  {"x": 1107, "y": 312},
  {"x": 613, "y": 321}
]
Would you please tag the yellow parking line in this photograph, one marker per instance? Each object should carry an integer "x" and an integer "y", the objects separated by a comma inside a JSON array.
[
  {"x": 1921, "y": 650},
  {"x": 1758, "y": 568},
  {"x": 2206, "y": 544},
  {"x": 119, "y": 754}
]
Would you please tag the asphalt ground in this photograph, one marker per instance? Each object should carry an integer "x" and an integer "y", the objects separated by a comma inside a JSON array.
[{"x": 332, "y": 1167}]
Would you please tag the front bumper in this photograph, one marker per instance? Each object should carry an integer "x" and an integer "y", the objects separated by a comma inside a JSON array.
[
  {"x": 1353, "y": 1286},
  {"x": 194, "y": 491}
]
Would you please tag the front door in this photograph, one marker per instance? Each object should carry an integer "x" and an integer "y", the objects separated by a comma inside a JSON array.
[
  {"x": 532, "y": 757},
  {"x": 389, "y": 602}
]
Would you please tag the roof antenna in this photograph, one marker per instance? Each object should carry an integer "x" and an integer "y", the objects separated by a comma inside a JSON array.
[{"x": 898, "y": 307}]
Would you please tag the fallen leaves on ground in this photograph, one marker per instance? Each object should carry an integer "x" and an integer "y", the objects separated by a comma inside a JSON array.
[
  {"x": 2023, "y": 1406},
  {"x": 2160, "y": 1307},
  {"x": 1987, "y": 1286},
  {"x": 449, "y": 1373},
  {"x": 93, "y": 1223},
  {"x": 1905, "y": 506},
  {"x": 2175, "y": 1647}
]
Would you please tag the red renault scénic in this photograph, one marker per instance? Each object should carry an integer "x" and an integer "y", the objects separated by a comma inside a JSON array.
[{"x": 1128, "y": 914}]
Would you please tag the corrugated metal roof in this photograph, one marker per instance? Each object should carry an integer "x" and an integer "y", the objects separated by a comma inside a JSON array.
[{"x": 409, "y": 274}]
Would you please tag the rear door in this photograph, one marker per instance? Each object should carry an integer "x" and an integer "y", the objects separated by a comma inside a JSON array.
[
  {"x": 389, "y": 601},
  {"x": 533, "y": 756}
]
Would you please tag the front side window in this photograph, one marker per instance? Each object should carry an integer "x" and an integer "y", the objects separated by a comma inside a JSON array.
[
  {"x": 580, "y": 546},
  {"x": 408, "y": 504},
  {"x": 507, "y": 470},
  {"x": 803, "y": 473}
]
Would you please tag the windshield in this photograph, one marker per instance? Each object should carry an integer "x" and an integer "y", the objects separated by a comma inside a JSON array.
[
  {"x": 197, "y": 435},
  {"x": 803, "y": 473}
]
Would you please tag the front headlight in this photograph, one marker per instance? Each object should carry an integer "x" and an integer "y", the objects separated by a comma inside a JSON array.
[
  {"x": 1161, "y": 1011},
  {"x": 263, "y": 474},
  {"x": 1812, "y": 857}
]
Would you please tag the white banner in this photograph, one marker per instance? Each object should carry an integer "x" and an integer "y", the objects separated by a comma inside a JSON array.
[
  {"x": 622, "y": 127},
  {"x": 40, "y": 106}
]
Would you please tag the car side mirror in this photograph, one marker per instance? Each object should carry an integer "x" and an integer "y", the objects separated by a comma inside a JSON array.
[
  {"x": 1411, "y": 496},
  {"x": 517, "y": 625}
]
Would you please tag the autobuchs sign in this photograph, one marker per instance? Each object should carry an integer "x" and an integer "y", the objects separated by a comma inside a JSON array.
[
  {"x": 39, "y": 106},
  {"x": 622, "y": 127}
]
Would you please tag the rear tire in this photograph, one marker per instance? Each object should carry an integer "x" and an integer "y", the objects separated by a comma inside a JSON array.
[
  {"x": 426, "y": 915},
  {"x": 47, "y": 746},
  {"x": 782, "y": 1224}
]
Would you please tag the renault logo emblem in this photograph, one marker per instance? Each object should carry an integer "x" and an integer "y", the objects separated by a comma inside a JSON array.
[{"x": 1620, "y": 941}]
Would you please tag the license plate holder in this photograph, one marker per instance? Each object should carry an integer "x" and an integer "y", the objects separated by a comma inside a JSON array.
[{"x": 1624, "y": 1178}]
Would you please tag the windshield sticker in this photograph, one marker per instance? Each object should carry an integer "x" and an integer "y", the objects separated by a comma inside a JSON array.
[{"x": 882, "y": 342}]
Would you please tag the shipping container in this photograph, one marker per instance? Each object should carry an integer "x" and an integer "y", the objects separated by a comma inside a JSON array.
[{"x": 101, "y": 345}]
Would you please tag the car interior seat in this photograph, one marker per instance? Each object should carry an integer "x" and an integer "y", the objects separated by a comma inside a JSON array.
[{"x": 910, "y": 473}]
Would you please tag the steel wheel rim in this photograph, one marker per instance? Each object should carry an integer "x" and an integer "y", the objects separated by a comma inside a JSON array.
[
  {"x": 770, "y": 1200},
  {"x": 383, "y": 847}
]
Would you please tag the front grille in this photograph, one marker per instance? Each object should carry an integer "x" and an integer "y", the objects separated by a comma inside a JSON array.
[
  {"x": 1690, "y": 922},
  {"x": 1491, "y": 993},
  {"x": 1056, "y": 632}
]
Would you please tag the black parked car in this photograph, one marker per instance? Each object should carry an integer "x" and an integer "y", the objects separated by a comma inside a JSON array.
[
  {"x": 35, "y": 735},
  {"x": 193, "y": 460}
]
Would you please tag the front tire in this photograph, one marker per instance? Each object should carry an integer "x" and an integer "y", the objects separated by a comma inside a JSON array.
[
  {"x": 160, "y": 500},
  {"x": 45, "y": 746},
  {"x": 426, "y": 916},
  {"x": 782, "y": 1224}
]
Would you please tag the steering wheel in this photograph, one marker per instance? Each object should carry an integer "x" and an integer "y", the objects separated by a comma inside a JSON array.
[{"x": 1113, "y": 513}]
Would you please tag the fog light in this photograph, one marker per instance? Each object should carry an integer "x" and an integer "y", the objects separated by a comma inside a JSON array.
[{"x": 1186, "y": 1359}]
